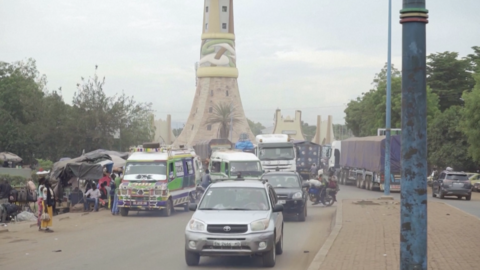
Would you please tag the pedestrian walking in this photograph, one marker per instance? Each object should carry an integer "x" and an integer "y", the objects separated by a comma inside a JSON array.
[
  {"x": 117, "y": 182},
  {"x": 45, "y": 206}
]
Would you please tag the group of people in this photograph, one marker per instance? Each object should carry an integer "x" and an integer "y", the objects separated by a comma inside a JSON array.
[{"x": 106, "y": 190}]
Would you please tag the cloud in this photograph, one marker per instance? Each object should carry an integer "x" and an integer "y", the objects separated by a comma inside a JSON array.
[{"x": 309, "y": 55}]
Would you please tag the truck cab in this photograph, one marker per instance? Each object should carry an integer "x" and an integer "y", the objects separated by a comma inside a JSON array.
[
  {"x": 276, "y": 151},
  {"x": 230, "y": 163},
  {"x": 334, "y": 155}
]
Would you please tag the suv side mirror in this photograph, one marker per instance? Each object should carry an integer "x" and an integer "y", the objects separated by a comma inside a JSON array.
[
  {"x": 192, "y": 207},
  {"x": 305, "y": 185},
  {"x": 278, "y": 208}
]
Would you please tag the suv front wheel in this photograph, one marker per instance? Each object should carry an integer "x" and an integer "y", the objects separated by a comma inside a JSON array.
[
  {"x": 269, "y": 256},
  {"x": 279, "y": 245},
  {"x": 469, "y": 197},
  {"x": 192, "y": 258}
]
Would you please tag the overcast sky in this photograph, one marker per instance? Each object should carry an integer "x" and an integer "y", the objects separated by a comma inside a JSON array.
[{"x": 308, "y": 55}]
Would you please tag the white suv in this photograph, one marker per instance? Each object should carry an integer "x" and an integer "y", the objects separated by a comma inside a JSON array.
[{"x": 235, "y": 218}]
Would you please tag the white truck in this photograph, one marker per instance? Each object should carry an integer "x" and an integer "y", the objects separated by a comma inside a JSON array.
[{"x": 276, "y": 151}]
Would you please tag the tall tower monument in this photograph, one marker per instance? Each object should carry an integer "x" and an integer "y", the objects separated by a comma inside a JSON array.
[{"x": 217, "y": 75}]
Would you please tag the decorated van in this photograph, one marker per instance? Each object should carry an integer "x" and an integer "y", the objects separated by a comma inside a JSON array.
[
  {"x": 158, "y": 179},
  {"x": 232, "y": 163}
]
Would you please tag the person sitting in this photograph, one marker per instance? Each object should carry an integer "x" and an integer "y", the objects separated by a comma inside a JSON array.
[
  {"x": 256, "y": 201},
  {"x": 93, "y": 195}
]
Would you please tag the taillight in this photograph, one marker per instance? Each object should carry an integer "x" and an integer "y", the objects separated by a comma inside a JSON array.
[{"x": 382, "y": 178}]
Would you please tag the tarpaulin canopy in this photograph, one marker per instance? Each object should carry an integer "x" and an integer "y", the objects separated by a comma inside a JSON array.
[
  {"x": 204, "y": 148},
  {"x": 244, "y": 145},
  {"x": 82, "y": 167},
  {"x": 369, "y": 153},
  {"x": 7, "y": 156},
  {"x": 123, "y": 155}
]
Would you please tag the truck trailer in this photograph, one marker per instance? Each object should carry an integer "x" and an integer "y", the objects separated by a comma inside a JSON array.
[
  {"x": 308, "y": 153},
  {"x": 361, "y": 161}
]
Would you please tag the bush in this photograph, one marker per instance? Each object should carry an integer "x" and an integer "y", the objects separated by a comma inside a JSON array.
[
  {"x": 14, "y": 180},
  {"x": 45, "y": 164}
]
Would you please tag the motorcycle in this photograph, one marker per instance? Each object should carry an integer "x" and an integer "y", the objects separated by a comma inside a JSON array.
[
  {"x": 199, "y": 193},
  {"x": 318, "y": 193}
]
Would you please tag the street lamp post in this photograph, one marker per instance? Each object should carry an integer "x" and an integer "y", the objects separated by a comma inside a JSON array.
[
  {"x": 413, "y": 218},
  {"x": 388, "y": 104}
]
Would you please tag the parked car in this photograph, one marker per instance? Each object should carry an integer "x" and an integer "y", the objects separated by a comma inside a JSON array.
[
  {"x": 475, "y": 181},
  {"x": 236, "y": 218},
  {"x": 292, "y": 192},
  {"x": 450, "y": 183}
]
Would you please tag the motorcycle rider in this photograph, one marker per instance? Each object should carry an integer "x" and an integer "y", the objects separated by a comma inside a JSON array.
[
  {"x": 206, "y": 179},
  {"x": 332, "y": 183}
]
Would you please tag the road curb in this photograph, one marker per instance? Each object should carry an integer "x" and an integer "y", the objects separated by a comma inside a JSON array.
[
  {"x": 322, "y": 253},
  {"x": 464, "y": 212}
]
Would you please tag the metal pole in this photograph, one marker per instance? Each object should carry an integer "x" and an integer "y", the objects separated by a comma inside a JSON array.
[
  {"x": 413, "y": 219},
  {"x": 386, "y": 190}
]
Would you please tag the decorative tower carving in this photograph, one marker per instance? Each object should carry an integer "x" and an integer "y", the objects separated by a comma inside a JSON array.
[{"x": 217, "y": 75}]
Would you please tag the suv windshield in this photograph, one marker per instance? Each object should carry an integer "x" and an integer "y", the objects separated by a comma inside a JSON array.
[
  {"x": 457, "y": 177},
  {"x": 247, "y": 168},
  {"x": 277, "y": 153},
  {"x": 282, "y": 181},
  {"x": 235, "y": 198},
  {"x": 146, "y": 168}
]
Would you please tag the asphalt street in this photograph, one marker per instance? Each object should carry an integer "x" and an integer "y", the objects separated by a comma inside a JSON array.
[
  {"x": 148, "y": 240},
  {"x": 145, "y": 241}
]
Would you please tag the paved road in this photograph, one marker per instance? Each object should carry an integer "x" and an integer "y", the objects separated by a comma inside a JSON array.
[
  {"x": 471, "y": 207},
  {"x": 145, "y": 241}
]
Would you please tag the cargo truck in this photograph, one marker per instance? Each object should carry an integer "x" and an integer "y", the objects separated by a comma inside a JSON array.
[
  {"x": 276, "y": 152},
  {"x": 361, "y": 161},
  {"x": 308, "y": 153}
]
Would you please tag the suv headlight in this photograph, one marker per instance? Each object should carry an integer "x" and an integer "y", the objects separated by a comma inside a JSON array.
[
  {"x": 297, "y": 195},
  {"x": 259, "y": 225},
  {"x": 197, "y": 225}
]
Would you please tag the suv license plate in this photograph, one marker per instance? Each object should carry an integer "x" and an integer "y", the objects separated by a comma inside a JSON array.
[
  {"x": 226, "y": 243},
  {"x": 458, "y": 184},
  {"x": 282, "y": 202}
]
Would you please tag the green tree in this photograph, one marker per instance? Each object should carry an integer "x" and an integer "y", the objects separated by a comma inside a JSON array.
[
  {"x": 99, "y": 117},
  {"x": 341, "y": 132},
  {"x": 308, "y": 131},
  {"x": 367, "y": 113},
  {"x": 223, "y": 114},
  {"x": 255, "y": 127},
  {"x": 177, "y": 131},
  {"x": 471, "y": 119},
  {"x": 447, "y": 144},
  {"x": 474, "y": 59},
  {"x": 449, "y": 77},
  {"x": 21, "y": 93}
]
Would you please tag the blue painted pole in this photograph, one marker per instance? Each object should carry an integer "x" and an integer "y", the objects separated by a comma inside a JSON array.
[
  {"x": 413, "y": 228},
  {"x": 386, "y": 190}
]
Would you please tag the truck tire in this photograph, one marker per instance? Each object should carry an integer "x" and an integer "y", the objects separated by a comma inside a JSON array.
[
  {"x": 167, "y": 211},
  {"x": 303, "y": 214}
]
